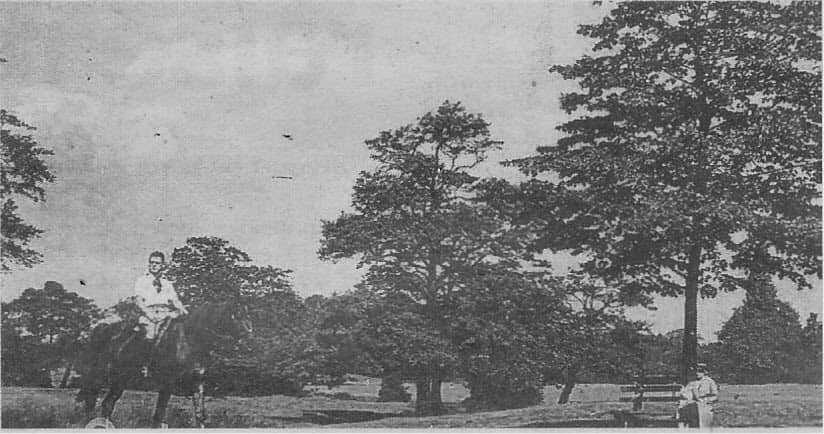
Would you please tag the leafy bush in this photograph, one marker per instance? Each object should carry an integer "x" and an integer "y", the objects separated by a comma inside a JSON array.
[
  {"x": 762, "y": 341},
  {"x": 224, "y": 380},
  {"x": 392, "y": 389},
  {"x": 502, "y": 385}
]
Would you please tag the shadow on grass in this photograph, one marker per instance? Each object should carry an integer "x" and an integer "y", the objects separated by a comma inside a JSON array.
[
  {"x": 602, "y": 423},
  {"x": 330, "y": 417}
]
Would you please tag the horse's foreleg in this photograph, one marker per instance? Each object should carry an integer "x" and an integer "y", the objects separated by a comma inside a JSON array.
[
  {"x": 114, "y": 393},
  {"x": 159, "y": 418},
  {"x": 199, "y": 403}
]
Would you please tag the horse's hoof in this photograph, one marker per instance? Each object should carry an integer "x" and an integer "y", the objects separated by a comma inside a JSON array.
[{"x": 100, "y": 423}]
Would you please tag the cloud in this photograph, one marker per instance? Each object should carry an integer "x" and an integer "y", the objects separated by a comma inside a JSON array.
[
  {"x": 44, "y": 104},
  {"x": 187, "y": 59}
]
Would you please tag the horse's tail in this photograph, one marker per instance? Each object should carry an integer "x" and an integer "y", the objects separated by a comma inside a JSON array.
[
  {"x": 95, "y": 356},
  {"x": 92, "y": 375},
  {"x": 87, "y": 393}
]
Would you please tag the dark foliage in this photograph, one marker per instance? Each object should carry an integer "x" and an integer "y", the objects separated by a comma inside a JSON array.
[
  {"x": 763, "y": 341},
  {"x": 277, "y": 358},
  {"x": 392, "y": 389},
  {"x": 43, "y": 329},
  {"x": 22, "y": 173}
]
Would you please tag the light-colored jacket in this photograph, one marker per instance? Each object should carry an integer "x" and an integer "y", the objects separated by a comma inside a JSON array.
[
  {"x": 704, "y": 391},
  {"x": 149, "y": 298}
]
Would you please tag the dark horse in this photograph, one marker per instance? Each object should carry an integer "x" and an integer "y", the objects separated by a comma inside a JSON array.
[{"x": 177, "y": 362}]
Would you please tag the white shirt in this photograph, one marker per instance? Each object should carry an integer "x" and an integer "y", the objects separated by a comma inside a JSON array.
[{"x": 147, "y": 293}]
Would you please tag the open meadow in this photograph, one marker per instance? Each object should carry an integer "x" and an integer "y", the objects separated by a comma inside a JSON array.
[{"x": 355, "y": 406}]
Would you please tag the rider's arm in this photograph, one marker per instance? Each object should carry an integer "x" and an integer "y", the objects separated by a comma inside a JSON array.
[
  {"x": 139, "y": 297},
  {"x": 712, "y": 396},
  {"x": 174, "y": 298},
  {"x": 687, "y": 393},
  {"x": 179, "y": 305}
]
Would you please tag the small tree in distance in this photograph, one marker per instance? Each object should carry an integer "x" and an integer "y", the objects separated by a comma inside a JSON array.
[
  {"x": 811, "y": 341},
  {"x": 761, "y": 342},
  {"x": 51, "y": 313},
  {"x": 49, "y": 324}
]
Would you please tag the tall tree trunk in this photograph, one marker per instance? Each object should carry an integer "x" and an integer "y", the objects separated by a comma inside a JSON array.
[
  {"x": 569, "y": 383},
  {"x": 428, "y": 401},
  {"x": 421, "y": 395},
  {"x": 689, "y": 358}
]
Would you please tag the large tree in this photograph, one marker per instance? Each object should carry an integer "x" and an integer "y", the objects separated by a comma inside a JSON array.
[
  {"x": 420, "y": 231},
  {"x": 22, "y": 174},
  {"x": 695, "y": 156}
]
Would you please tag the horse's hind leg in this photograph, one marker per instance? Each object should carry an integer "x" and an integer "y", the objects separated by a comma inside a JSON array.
[
  {"x": 159, "y": 418},
  {"x": 88, "y": 396},
  {"x": 91, "y": 381}
]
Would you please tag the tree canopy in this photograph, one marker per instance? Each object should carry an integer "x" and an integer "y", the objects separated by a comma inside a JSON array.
[
  {"x": 211, "y": 269},
  {"x": 50, "y": 313},
  {"x": 694, "y": 155},
  {"x": 22, "y": 174}
]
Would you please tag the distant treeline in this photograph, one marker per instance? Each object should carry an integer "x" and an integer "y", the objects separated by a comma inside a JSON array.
[{"x": 510, "y": 348}]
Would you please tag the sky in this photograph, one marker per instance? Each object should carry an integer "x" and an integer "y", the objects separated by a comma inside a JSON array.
[{"x": 167, "y": 122}]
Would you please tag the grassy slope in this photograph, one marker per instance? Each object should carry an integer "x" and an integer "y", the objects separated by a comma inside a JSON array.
[{"x": 739, "y": 406}]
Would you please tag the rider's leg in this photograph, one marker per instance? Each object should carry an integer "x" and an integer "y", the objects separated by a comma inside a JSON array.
[
  {"x": 149, "y": 327},
  {"x": 159, "y": 418}
]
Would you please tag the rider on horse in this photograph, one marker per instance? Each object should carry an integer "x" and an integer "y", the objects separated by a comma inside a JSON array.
[{"x": 156, "y": 297}]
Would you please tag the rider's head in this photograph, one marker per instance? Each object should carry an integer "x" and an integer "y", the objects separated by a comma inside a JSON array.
[
  {"x": 156, "y": 262},
  {"x": 701, "y": 370}
]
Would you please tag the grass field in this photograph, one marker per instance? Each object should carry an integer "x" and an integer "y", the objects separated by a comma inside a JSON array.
[{"x": 776, "y": 405}]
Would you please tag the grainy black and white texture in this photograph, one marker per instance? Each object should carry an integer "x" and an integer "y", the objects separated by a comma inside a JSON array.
[{"x": 335, "y": 169}]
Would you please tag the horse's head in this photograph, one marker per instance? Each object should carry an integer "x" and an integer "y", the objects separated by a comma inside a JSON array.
[{"x": 227, "y": 319}]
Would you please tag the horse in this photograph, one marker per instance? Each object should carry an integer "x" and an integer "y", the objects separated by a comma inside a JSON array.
[{"x": 177, "y": 361}]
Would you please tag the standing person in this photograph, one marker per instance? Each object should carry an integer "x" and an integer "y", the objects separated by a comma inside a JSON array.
[
  {"x": 156, "y": 297},
  {"x": 697, "y": 398}
]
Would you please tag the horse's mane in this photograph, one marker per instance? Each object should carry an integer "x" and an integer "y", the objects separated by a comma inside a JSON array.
[
  {"x": 205, "y": 323},
  {"x": 206, "y": 315}
]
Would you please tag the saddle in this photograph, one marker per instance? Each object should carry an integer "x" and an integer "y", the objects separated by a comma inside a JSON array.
[{"x": 135, "y": 331}]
